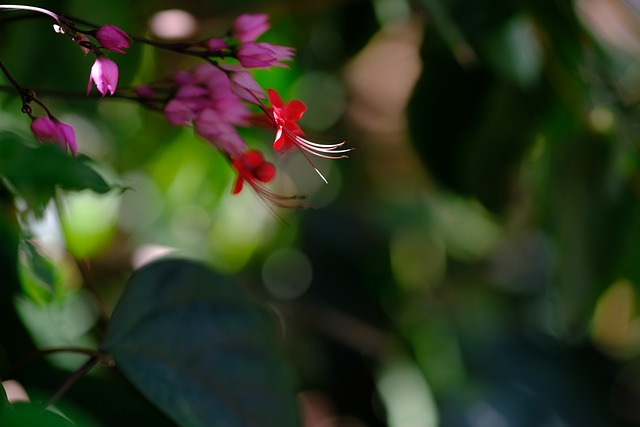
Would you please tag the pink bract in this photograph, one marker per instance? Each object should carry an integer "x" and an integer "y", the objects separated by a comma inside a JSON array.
[
  {"x": 211, "y": 126},
  {"x": 48, "y": 130},
  {"x": 245, "y": 87},
  {"x": 113, "y": 38},
  {"x": 104, "y": 73},
  {"x": 249, "y": 27},
  {"x": 263, "y": 55}
]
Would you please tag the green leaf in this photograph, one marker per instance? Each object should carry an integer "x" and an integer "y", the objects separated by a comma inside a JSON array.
[
  {"x": 32, "y": 415},
  {"x": 199, "y": 349},
  {"x": 35, "y": 172},
  {"x": 38, "y": 274}
]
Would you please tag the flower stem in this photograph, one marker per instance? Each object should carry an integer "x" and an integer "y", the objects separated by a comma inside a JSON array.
[{"x": 55, "y": 16}]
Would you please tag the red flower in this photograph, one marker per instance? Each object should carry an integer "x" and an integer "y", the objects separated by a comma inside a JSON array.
[
  {"x": 284, "y": 118},
  {"x": 253, "y": 168}
]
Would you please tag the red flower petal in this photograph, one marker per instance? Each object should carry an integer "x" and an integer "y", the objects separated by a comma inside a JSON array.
[
  {"x": 274, "y": 99},
  {"x": 279, "y": 143},
  {"x": 265, "y": 172},
  {"x": 237, "y": 186},
  {"x": 252, "y": 159},
  {"x": 295, "y": 110}
]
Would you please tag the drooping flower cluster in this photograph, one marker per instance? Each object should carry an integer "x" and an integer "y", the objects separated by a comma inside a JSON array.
[{"x": 215, "y": 98}]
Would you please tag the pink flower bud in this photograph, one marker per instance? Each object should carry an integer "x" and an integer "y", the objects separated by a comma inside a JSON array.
[
  {"x": 48, "y": 130},
  {"x": 182, "y": 78},
  {"x": 113, "y": 38},
  {"x": 215, "y": 44},
  {"x": 249, "y": 27},
  {"x": 104, "y": 74},
  {"x": 263, "y": 55},
  {"x": 145, "y": 92}
]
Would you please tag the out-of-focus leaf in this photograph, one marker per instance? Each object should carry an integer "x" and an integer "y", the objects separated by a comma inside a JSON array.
[
  {"x": 459, "y": 128},
  {"x": 89, "y": 222},
  {"x": 29, "y": 414},
  {"x": 515, "y": 51},
  {"x": 35, "y": 172},
  {"x": 37, "y": 273},
  {"x": 199, "y": 349}
]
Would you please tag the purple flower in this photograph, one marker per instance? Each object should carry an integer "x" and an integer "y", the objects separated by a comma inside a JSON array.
[
  {"x": 48, "y": 130},
  {"x": 180, "y": 111},
  {"x": 244, "y": 86},
  {"x": 113, "y": 38},
  {"x": 263, "y": 55},
  {"x": 104, "y": 74},
  {"x": 214, "y": 128},
  {"x": 209, "y": 87},
  {"x": 249, "y": 27}
]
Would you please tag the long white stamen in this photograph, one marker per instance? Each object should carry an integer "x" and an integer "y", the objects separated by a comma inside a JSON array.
[{"x": 318, "y": 149}]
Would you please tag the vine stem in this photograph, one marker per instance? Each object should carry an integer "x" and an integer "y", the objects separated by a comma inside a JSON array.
[
  {"x": 26, "y": 95},
  {"x": 13, "y": 81},
  {"x": 93, "y": 360},
  {"x": 97, "y": 354}
]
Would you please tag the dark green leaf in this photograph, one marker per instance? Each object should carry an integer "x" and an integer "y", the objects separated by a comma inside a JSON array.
[
  {"x": 4, "y": 403},
  {"x": 35, "y": 172},
  {"x": 198, "y": 348}
]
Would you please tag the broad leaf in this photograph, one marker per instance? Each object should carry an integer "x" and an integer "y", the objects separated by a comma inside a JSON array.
[
  {"x": 199, "y": 349},
  {"x": 35, "y": 172}
]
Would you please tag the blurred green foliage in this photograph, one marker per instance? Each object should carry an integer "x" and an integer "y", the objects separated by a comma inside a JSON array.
[{"x": 475, "y": 262}]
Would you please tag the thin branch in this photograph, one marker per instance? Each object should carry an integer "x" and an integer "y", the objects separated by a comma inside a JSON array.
[
  {"x": 17, "y": 86},
  {"x": 93, "y": 360},
  {"x": 47, "y": 351}
]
